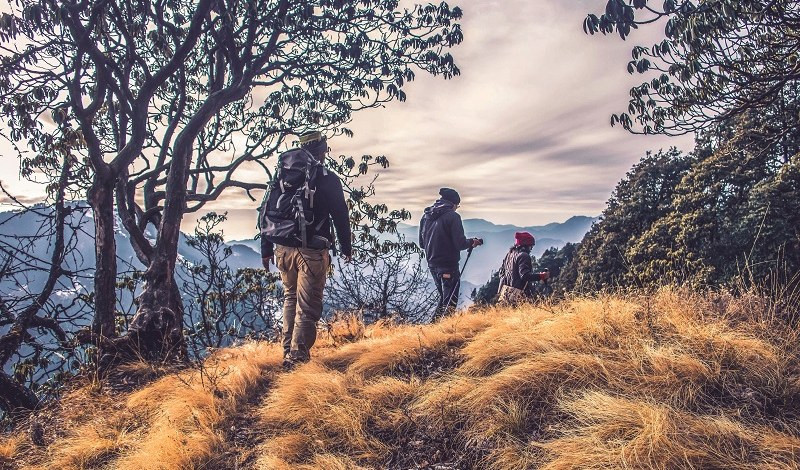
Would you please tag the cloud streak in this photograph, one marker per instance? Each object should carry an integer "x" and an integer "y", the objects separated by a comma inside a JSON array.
[{"x": 523, "y": 133}]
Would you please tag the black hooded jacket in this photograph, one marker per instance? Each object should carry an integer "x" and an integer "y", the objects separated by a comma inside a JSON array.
[{"x": 441, "y": 235}]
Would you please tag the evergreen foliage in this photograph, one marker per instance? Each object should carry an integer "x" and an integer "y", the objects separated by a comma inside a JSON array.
[
  {"x": 487, "y": 293},
  {"x": 728, "y": 212},
  {"x": 557, "y": 261},
  {"x": 716, "y": 60}
]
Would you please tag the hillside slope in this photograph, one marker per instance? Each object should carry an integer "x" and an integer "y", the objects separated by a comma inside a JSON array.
[{"x": 666, "y": 381}]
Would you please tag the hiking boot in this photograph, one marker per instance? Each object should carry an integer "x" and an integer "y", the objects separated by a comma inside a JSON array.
[
  {"x": 295, "y": 359},
  {"x": 289, "y": 364}
]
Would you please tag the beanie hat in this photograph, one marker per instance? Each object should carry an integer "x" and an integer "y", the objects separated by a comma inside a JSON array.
[
  {"x": 524, "y": 239},
  {"x": 450, "y": 195},
  {"x": 310, "y": 137},
  {"x": 314, "y": 142}
]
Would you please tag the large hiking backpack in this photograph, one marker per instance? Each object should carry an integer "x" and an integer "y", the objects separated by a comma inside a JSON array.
[{"x": 287, "y": 213}]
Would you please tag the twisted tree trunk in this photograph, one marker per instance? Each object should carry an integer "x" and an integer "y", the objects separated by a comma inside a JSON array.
[
  {"x": 157, "y": 326},
  {"x": 101, "y": 199},
  {"x": 156, "y": 330},
  {"x": 14, "y": 396}
]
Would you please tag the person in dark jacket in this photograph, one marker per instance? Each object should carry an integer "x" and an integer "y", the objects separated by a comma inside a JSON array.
[
  {"x": 441, "y": 235},
  {"x": 305, "y": 270},
  {"x": 516, "y": 274}
]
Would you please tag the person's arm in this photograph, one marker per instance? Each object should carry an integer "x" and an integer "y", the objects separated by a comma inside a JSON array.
[
  {"x": 525, "y": 269},
  {"x": 267, "y": 251},
  {"x": 422, "y": 232},
  {"x": 460, "y": 240},
  {"x": 340, "y": 216}
]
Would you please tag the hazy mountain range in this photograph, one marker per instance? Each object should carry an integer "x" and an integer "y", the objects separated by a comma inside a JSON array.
[
  {"x": 487, "y": 258},
  {"x": 246, "y": 253}
]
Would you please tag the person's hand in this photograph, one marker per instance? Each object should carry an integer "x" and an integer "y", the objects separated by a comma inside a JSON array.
[
  {"x": 544, "y": 275},
  {"x": 265, "y": 262},
  {"x": 477, "y": 242},
  {"x": 347, "y": 258}
]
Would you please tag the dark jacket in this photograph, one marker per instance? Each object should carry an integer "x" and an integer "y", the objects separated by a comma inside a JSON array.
[
  {"x": 441, "y": 235},
  {"x": 329, "y": 204},
  {"x": 517, "y": 270}
]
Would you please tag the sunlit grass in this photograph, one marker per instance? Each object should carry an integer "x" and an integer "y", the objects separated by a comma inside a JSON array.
[{"x": 671, "y": 380}]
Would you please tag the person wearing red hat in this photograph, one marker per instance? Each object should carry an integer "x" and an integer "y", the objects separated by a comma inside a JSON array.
[{"x": 517, "y": 274}]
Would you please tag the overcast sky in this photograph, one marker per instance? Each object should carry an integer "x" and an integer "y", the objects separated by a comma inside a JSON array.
[{"x": 523, "y": 134}]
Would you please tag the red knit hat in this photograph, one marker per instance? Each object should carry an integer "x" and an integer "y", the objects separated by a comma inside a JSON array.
[{"x": 524, "y": 239}]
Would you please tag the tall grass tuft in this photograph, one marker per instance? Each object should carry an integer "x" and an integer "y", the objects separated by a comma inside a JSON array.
[{"x": 668, "y": 380}]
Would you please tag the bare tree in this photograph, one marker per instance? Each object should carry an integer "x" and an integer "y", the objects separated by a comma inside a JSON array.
[
  {"x": 40, "y": 340},
  {"x": 395, "y": 285},
  {"x": 174, "y": 101},
  {"x": 224, "y": 305}
]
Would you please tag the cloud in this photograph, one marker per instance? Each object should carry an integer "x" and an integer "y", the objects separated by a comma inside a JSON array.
[
  {"x": 12, "y": 195},
  {"x": 523, "y": 133}
]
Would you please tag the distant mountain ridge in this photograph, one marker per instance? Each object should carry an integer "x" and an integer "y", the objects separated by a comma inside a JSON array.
[
  {"x": 246, "y": 253},
  {"x": 15, "y": 224},
  {"x": 499, "y": 237},
  {"x": 571, "y": 230}
]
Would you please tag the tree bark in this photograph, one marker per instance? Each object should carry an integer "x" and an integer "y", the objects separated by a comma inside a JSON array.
[
  {"x": 14, "y": 396},
  {"x": 157, "y": 327},
  {"x": 101, "y": 198},
  {"x": 156, "y": 331}
]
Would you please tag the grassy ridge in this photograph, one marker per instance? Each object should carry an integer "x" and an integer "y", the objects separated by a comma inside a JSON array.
[{"x": 673, "y": 380}]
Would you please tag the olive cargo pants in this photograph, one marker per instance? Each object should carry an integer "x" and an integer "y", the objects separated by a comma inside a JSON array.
[{"x": 303, "y": 273}]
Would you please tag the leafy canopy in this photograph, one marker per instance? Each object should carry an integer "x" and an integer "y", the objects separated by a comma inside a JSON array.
[{"x": 717, "y": 59}]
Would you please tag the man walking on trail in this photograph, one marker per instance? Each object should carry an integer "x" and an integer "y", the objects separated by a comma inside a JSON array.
[
  {"x": 441, "y": 235},
  {"x": 516, "y": 274},
  {"x": 296, "y": 235}
]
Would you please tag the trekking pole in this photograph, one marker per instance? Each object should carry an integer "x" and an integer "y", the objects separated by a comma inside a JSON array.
[
  {"x": 469, "y": 253},
  {"x": 461, "y": 273}
]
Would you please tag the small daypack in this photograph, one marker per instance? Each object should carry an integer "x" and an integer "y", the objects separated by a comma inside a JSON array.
[
  {"x": 287, "y": 213},
  {"x": 507, "y": 294}
]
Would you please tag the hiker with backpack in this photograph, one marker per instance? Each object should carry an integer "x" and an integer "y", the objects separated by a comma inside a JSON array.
[
  {"x": 516, "y": 273},
  {"x": 441, "y": 235},
  {"x": 296, "y": 236}
]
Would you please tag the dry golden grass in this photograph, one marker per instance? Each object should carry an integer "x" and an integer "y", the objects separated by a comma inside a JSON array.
[
  {"x": 344, "y": 327},
  {"x": 667, "y": 381},
  {"x": 177, "y": 422},
  {"x": 643, "y": 434},
  {"x": 672, "y": 380},
  {"x": 9, "y": 447}
]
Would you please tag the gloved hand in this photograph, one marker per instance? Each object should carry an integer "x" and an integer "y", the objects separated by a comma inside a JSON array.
[{"x": 477, "y": 242}]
